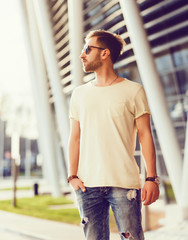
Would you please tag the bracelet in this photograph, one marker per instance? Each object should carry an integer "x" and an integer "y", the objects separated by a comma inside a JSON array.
[{"x": 71, "y": 177}]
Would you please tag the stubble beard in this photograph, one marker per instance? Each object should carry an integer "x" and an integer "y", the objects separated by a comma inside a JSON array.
[{"x": 92, "y": 66}]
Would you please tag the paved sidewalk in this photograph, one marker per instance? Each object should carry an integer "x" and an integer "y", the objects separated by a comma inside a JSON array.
[
  {"x": 19, "y": 227},
  {"x": 39, "y": 229},
  {"x": 174, "y": 232}
]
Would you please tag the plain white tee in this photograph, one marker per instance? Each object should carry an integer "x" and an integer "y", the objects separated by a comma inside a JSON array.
[{"x": 108, "y": 132}]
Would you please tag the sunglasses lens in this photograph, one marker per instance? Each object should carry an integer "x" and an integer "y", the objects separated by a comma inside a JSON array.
[{"x": 87, "y": 49}]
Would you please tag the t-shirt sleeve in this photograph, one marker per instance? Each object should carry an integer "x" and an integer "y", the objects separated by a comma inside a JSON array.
[
  {"x": 73, "y": 108},
  {"x": 140, "y": 104}
]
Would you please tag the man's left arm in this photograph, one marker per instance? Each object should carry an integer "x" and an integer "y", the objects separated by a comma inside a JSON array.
[{"x": 150, "y": 192}]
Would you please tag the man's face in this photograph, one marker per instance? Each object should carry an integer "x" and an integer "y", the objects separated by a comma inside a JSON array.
[{"x": 91, "y": 55}]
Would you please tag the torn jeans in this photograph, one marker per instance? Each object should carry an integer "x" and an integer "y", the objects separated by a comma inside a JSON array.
[{"x": 94, "y": 205}]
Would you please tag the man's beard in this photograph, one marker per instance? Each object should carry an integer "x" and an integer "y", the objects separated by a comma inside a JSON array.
[{"x": 92, "y": 66}]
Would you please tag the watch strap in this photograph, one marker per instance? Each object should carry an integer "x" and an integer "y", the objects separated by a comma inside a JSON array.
[
  {"x": 152, "y": 179},
  {"x": 155, "y": 179}
]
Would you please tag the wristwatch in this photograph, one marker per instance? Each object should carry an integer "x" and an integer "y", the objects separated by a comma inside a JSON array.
[{"x": 155, "y": 179}]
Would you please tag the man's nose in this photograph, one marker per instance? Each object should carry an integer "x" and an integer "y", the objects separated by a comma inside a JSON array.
[{"x": 83, "y": 54}]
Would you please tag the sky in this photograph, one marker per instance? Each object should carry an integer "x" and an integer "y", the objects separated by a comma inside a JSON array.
[
  {"x": 14, "y": 72},
  {"x": 15, "y": 86}
]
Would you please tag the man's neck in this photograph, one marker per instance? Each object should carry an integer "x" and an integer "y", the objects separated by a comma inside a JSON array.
[{"x": 105, "y": 77}]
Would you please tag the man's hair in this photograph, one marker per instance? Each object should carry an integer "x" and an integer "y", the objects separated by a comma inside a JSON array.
[{"x": 109, "y": 40}]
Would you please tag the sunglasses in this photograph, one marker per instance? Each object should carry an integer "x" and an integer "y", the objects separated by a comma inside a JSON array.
[{"x": 87, "y": 49}]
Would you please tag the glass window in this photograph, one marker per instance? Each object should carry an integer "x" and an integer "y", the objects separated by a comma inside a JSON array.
[
  {"x": 180, "y": 133},
  {"x": 182, "y": 80},
  {"x": 164, "y": 63},
  {"x": 176, "y": 109},
  {"x": 180, "y": 58},
  {"x": 169, "y": 84}
]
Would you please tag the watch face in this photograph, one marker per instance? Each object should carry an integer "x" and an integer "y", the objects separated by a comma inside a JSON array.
[{"x": 157, "y": 180}]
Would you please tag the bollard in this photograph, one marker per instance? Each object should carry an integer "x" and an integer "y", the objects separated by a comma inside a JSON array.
[{"x": 35, "y": 188}]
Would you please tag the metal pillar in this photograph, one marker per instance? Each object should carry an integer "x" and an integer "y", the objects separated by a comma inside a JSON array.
[
  {"x": 146, "y": 65},
  {"x": 40, "y": 93},
  {"x": 75, "y": 14},
  {"x": 48, "y": 45}
]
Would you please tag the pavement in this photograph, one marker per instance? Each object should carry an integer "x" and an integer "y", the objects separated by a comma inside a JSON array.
[{"x": 20, "y": 227}]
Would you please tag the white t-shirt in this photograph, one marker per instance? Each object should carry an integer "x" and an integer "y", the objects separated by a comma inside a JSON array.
[{"x": 108, "y": 132}]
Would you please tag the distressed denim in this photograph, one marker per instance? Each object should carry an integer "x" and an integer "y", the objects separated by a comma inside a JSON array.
[{"x": 94, "y": 205}]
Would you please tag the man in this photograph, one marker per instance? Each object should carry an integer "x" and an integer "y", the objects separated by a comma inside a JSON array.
[{"x": 106, "y": 114}]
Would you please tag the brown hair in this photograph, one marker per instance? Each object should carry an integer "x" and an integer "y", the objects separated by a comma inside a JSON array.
[{"x": 109, "y": 40}]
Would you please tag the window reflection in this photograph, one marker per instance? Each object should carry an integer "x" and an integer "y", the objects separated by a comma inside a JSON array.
[
  {"x": 164, "y": 63},
  {"x": 169, "y": 84},
  {"x": 173, "y": 72},
  {"x": 182, "y": 80},
  {"x": 180, "y": 57}
]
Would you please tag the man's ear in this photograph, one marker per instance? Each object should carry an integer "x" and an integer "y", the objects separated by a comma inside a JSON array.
[{"x": 106, "y": 53}]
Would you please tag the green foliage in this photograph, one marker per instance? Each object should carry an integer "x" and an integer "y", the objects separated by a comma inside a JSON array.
[
  {"x": 169, "y": 192},
  {"x": 39, "y": 206}
]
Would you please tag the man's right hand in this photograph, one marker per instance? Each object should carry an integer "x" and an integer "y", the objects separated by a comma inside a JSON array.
[{"x": 76, "y": 183}]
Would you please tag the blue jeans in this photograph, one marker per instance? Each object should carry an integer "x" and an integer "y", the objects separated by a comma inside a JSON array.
[{"x": 94, "y": 205}]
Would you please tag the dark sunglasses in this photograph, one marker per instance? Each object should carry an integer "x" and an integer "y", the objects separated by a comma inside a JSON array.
[{"x": 87, "y": 48}]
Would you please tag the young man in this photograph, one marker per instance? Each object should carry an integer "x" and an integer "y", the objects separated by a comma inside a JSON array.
[{"x": 106, "y": 114}]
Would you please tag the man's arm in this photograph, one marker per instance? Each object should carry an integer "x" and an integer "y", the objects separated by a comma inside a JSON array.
[
  {"x": 74, "y": 148},
  {"x": 150, "y": 191}
]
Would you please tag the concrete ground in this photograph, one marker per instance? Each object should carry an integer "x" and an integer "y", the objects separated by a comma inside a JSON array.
[{"x": 19, "y": 227}]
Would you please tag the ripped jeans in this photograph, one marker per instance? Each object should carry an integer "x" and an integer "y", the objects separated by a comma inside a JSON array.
[{"x": 94, "y": 205}]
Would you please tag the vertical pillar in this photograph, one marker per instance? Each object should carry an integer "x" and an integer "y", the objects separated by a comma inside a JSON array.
[
  {"x": 15, "y": 155},
  {"x": 48, "y": 45},
  {"x": 40, "y": 93},
  {"x": 146, "y": 65},
  {"x": 60, "y": 158},
  {"x": 184, "y": 188},
  {"x": 75, "y": 15},
  {"x": 60, "y": 161}
]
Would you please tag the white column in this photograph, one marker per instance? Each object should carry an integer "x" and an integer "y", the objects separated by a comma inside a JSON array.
[
  {"x": 75, "y": 15},
  {"x": 61, "y": 162},
  {"x": 15, "y": 147},
  {"x": 184, "y": 188},
  {"x": 146, "y": 65},
  {"x": 60, "y": 158},
  {"x": 40, "y": 93},
  {"x": 48, "y": 45}
]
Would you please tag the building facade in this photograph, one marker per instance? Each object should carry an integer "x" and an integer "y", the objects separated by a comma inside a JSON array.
[
  {"x": 68, "y": 22},
  {"x": 166, "y": 25}
]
